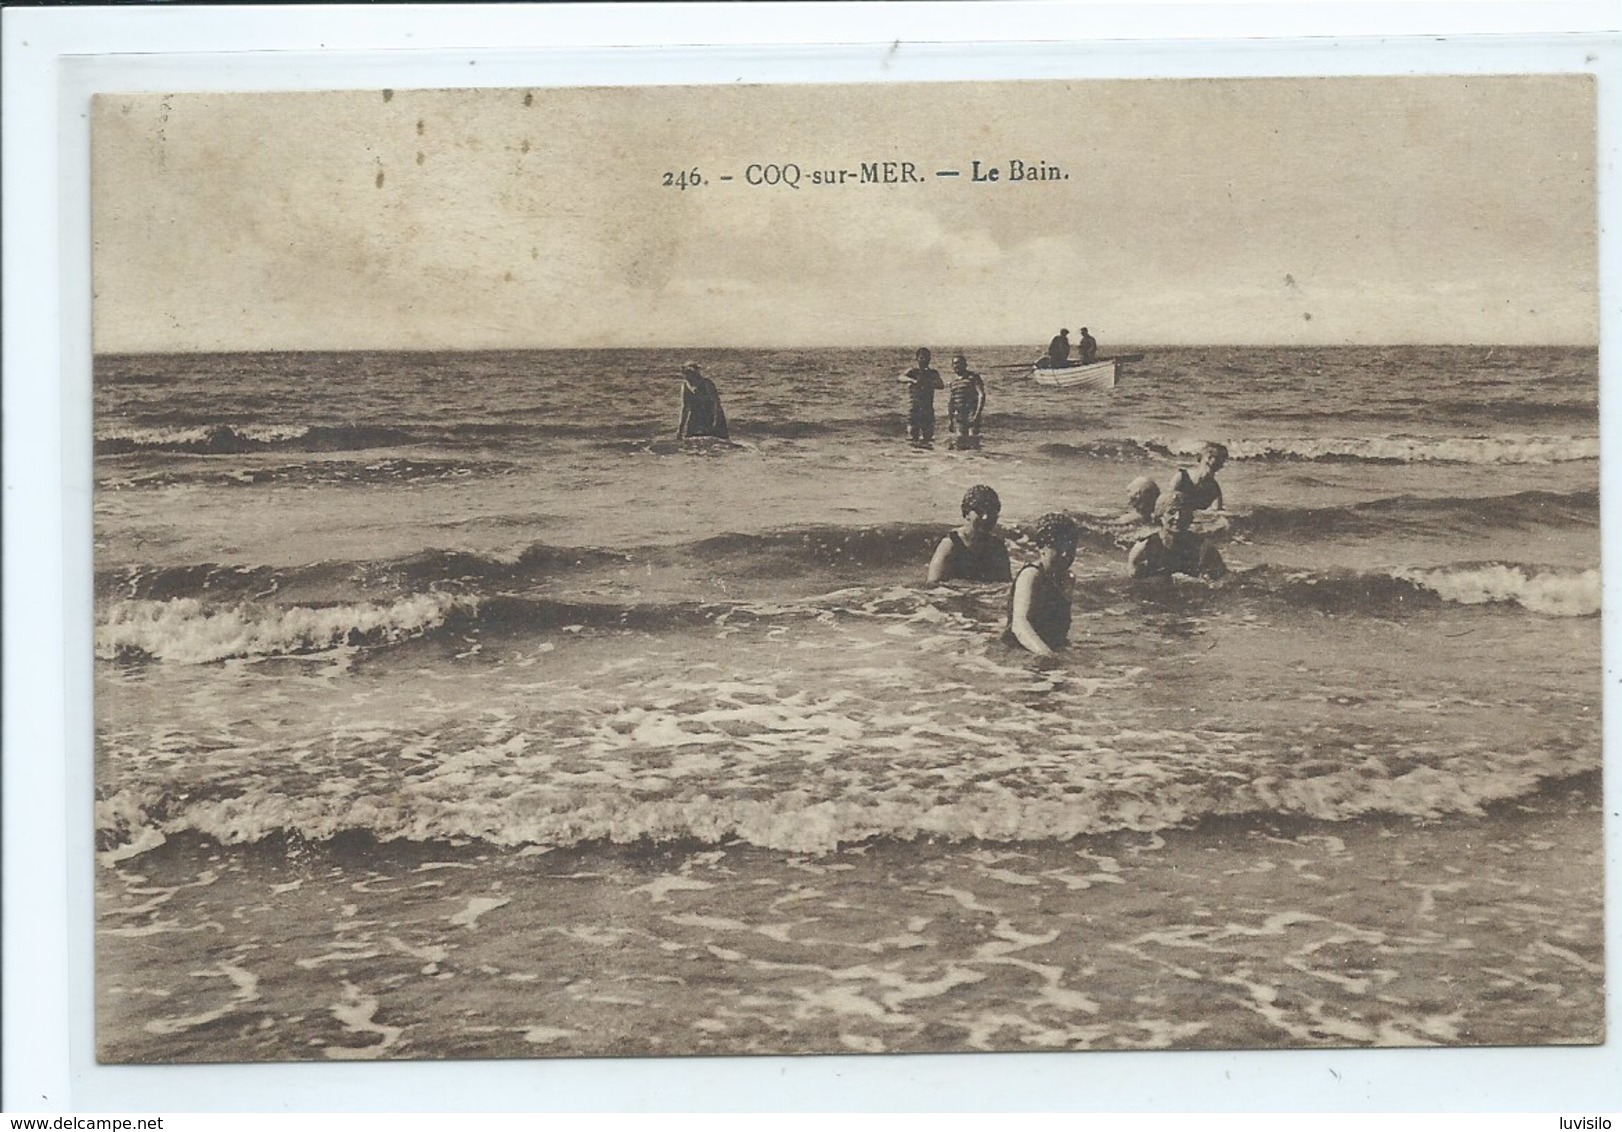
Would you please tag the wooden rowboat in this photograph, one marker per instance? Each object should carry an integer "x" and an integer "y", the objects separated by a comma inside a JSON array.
[{"x": 1099, "y": 375}]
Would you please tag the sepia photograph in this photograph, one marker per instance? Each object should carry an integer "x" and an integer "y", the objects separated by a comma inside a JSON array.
[{"x": 847, "y": 568}]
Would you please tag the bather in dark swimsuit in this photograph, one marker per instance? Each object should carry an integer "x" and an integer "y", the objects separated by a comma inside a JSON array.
[
  {"x": 1050, "y": 611},
  {"x": 985, "y": 562}
]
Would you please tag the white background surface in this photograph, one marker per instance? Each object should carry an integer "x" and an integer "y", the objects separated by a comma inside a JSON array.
[{"x": 54, "y": 59}]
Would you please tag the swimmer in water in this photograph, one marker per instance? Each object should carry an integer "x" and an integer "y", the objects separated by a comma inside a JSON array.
[
  {"x": 1174, "y": 549},
  {"x": 1039, "y": 599},
  {"x": 965, "y": 403},
  {"x": 973, "y": 552},
  {"x": 1141, "y": 496},
  {"x": 1201, "y": 489},
  {"x": 922, "y": 380}
]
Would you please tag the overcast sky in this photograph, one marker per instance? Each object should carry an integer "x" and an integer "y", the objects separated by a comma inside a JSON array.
[{"x": 1314, "y": 210}]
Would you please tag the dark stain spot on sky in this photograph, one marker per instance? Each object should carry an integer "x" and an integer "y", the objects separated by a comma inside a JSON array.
[
  {"x": 525, "y": 147},
  {"x": 388, "y": 95},
  {"x": 507, "y": 277},
  {"x": 529, "y": 99},
  {"x": 1307, "y": 316},
  {"x": 1289, "y": 281},
  {"x": 380, "y": 178},
  {"x": 421, "y": 126}
]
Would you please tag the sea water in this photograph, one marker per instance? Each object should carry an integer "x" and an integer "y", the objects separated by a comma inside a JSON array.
[{"x": 437, "y": 692}]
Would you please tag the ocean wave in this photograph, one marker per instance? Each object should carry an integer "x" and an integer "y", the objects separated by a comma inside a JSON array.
[
  {"x": 332, "y": 582},
  {"x": 1415, "y": 449},
  {"x": 1547, "y": 592},
  {"x": 187, "y": 631},
  {"x": 1120, "y": 449},
  {"x": 1403, "y": 515},
  {"x": 190, "y": 631},
  {"x": 772, "y": 552},
  {"x": 336, "y": 472},
  {"x": 138, "y": 378},
  {"x": 798, "y": 820},
  {"x": 219, "y": 439},
  {"x": 785, "y": 553},
  {"x": 1482, "y": 450},
  {"x": 820, "y": 556},
  {"x": 235, "y": 439},
  {"x": 633, "y": 435},
  {"x": 1553, "y": 593},
  {"x": 159, "y": 583},
  {"x": 1486, "y": 412},
  {"x": 1506, "y": 411},
  {"x": 189, "y": 431}
]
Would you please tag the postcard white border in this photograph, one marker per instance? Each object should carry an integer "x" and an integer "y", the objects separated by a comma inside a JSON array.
[{"x": 53, "y": 58}]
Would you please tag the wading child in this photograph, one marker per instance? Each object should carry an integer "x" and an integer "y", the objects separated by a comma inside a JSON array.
[{"x": 1039, "y": 599}]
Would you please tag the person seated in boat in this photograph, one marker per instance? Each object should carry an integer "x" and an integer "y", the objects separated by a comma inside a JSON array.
[
  {"x": 1088, "y": 347},
  {"x": 1174, "y": 549},
  {"x": 973, "y": 552},
  {"x": 1200, "y": 488},
  {"x": 701, "y": 412},
  {"x": 1141, "y": 496},
  {"x": 965, "y": 402},
  {"x": 1058, "y": 355},
  {"x": 1039, "y": 599},
  {"x": 922, "y": 380}
]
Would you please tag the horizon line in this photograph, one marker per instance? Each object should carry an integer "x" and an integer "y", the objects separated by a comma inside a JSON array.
[{"x": 899, "y": 347}]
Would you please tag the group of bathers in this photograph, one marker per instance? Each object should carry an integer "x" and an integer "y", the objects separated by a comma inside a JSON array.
[{"x": 1038, "y": 615}]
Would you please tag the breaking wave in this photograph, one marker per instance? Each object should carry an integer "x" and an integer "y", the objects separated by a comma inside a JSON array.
[
  {"x": 1351, "y": 450},
  {"x": 225, "y": 439},
  {"x": 189, "y": 630},
  {"x": 1553, "y": 593}
]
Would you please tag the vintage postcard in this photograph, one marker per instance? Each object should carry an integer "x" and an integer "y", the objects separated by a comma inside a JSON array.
[{"x": 549, "y": 603}]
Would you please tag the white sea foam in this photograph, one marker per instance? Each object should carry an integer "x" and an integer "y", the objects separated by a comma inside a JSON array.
[
  {"x": 177, "y": 435},
  {"x": 1552, "y": 593},
  {"x": 187, "y": 631},
  {"x": 972, "y": 745},
  {"x": 153, "y": 437},
  {"x": 1098, "y": 784},
  {"x": 477, "y": 906},
  {"x": 270, "y": 434},
  {"x": 247, "y": 991},
  {"x": 794, "y": 824},
  {"x": 356, "y": 1013},
  {"x": 144, "y": 840},
  {"x": 1509, "y": 449}
]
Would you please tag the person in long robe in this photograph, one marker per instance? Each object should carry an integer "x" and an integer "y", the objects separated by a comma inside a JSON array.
[{"x": 701, "y": 411}]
